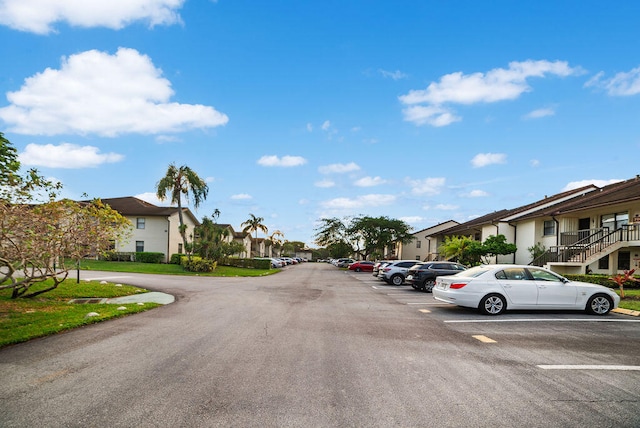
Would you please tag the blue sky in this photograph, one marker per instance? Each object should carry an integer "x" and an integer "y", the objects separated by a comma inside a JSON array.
[{"x": 294, "y": 111}]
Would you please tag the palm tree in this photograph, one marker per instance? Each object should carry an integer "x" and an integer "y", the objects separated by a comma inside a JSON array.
[
  {"x": 179, "y": 182},
  {"x": 253, "y": 224},
  {"x": 277, "y": 239}
]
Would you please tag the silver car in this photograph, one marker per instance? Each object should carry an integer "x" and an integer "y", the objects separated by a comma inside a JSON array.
[{"x": 496, "y": 288}]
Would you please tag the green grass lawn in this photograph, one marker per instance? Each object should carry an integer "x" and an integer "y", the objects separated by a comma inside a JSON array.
[
  {"x": 51, "y": 312},
  {"x": 631, "y": 299},
  {"x": 169, "y": 269}
]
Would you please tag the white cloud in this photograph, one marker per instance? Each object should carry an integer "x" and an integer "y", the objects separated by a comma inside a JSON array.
[
  {"x": 622, "y": 84},
  {"x": 326, "y": 125},
  {"x": 430, "y": 115},
  {"x": 543, "y": 112},
  {"x": 600, "y": 183},
  {"x": 359, "y": 202},
  {"x": 97, "y": 93},
  {"x": 534, "y": 163},
  {"x": 446, "y": 207},
  {"x": 339, "y": 168},
  {"x": 309, "y": 127},
  {"x": 412, "y": 219},
  {"x": 426, "y": 106},
  {"x": 476, "y": 194},
  {"x": 395, "y": 75},
  {"x": 485, "y": 159},
  {"x": 241, "y": 196},
  {"x": 66, "y": 155},
  {"x": 38, "y": 16},
  {"x": 285, "y": 161},
  {"x": 152, "y": 198},
  {"x": 369, "y": 181},
  {"x": 426, "y": 186},
  {"x": 209, "y": 179},
  {"x": 325, "y": 183}
]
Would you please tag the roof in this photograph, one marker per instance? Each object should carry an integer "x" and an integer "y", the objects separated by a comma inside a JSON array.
[
  {"x": 132, "y": 206},
  {"x": 612, "y": 194},
  {"x": 477, "y": 223},
  {"x": 536, "y": 209}
]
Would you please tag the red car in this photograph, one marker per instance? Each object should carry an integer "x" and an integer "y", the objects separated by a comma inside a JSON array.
[{"x": 362, "y": 266}]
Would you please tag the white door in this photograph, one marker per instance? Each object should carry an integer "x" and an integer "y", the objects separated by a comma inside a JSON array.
[
  {"x": 552, "y": 291},
  {"x": 518, "y": 287}
]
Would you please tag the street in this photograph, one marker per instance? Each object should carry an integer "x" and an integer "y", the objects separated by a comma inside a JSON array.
[{"x": 315, "y": 346}]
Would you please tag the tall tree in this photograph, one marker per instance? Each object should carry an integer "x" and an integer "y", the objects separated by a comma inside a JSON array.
[
  {"x": 253, "y": 224},
  {"x": 277, "y": 239},
  {"x": 182, "y": 182},
  {"x": 375, "y": 234}
]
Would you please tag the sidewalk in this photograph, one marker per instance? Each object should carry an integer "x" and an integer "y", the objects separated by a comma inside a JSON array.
[{"x": 151, "y": 297}]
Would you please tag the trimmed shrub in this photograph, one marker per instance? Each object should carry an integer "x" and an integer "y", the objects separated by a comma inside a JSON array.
[
  {"x": 602, "y": 280},
  {"x": 149, "y": 257},
  {"x": 198, "y": 264},
  {"x": 113, "y": 256},
  {"x": 176, "y": 259},
  {"x": 246, "y": 263}
]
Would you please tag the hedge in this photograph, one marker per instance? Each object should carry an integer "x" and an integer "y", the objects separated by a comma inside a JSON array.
[
  {"x": 247, "y": 263},
  {"x": 602, "y": 280},
  {"x": 149, "y": 257}
]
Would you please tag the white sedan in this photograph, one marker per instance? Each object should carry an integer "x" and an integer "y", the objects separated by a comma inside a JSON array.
[{"x": 495, "y": 288}]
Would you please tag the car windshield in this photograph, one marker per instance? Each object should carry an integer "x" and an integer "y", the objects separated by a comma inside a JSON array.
[{"x": 474, "y": 271}]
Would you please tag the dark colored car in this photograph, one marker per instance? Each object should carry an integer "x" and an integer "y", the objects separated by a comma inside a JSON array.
[
  {"x": 423, "y": 276},
  {"x": 362, "y": 266}
]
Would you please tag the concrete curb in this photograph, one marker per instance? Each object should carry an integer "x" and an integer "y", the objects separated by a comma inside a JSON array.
[{"x": 626, "y": 312}]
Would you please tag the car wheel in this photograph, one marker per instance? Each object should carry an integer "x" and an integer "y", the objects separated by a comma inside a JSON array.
[
  {"x": 397, "y": 279},
  {"x": 358, "y": 269},
  {"x": 428, "y": 285},
  {"x": 492, "y": 304},
  {"x": 599, "y": 304}
]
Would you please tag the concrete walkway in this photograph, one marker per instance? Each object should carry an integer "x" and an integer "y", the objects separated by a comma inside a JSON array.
[{"x": 151, "y": 297}]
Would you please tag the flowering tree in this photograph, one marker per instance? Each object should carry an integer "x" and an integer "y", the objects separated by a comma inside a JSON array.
[
  {"x": 38, "y": 239},
  {"x": 44, "y": 241}
]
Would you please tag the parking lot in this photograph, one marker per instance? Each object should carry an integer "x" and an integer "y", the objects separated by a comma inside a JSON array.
[{"x": 573, "y": 339}]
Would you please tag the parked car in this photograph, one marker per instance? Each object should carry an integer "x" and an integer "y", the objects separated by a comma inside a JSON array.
[
  {"x": 496, "y": 288},
  {"x": 378, "y": 265},
  {"x": 343, "y": 263},
  {"x": 362, "y": 266},
  {"x": 423, "y": 276},
  {"x": 396, "y": 271}
]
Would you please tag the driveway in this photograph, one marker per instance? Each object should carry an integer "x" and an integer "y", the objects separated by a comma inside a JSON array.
[{"x": 314, "y": 346}]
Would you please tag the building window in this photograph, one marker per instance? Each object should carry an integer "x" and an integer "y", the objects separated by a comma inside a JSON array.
[
  {"x": 140, "y": 223},
  {"x": 624, "y": 260},
  {"x": 417, "y": 257},
  {"x": 603, "y": 263},
  {"x": 549, "y": 228},
  {"x": 614, "y": 221},
  {"x": 179, "y": 248},
  {"x": 418, "y": 244},
  {"x": 139, "y": 246}
]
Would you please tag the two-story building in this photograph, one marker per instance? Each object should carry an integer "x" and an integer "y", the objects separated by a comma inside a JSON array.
[
  {"x": 590, "y": 229},
  {"x": 154, "y": 229}
]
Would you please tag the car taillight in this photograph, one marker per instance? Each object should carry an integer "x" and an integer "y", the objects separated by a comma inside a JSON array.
[
  {"x": 457, "y": 285},
  {"x": 386, "y": 269}
]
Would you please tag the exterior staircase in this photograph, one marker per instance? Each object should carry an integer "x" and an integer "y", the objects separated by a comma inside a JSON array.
[{"x": 591, "y": 248}]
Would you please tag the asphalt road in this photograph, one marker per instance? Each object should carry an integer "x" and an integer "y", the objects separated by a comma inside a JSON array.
[{"x": 314, "y": 346}]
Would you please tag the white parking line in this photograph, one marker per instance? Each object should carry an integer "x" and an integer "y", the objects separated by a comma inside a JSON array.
[
  {"x": 542, "y": 320},
  {"x": 587, "y": 367},
  {"x": 427, "y": 304}
]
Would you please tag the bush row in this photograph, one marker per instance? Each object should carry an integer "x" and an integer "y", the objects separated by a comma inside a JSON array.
[
  {"x": 142, "y": 257},
  {"x": 602, "y": 280}
]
